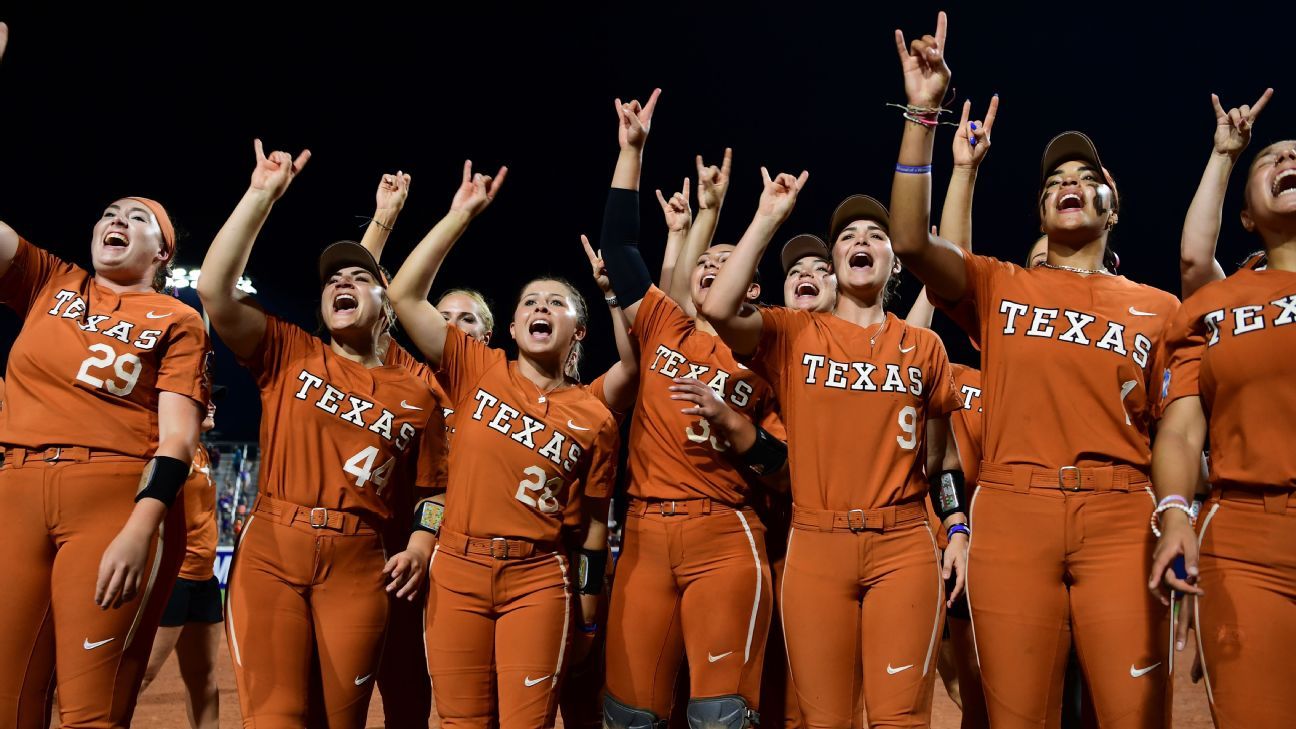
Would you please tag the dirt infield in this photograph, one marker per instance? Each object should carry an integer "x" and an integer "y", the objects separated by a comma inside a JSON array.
[{"x": 162, "y": 706}]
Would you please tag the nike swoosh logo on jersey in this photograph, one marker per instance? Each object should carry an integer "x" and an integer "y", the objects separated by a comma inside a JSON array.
[
  {"x": 894, "y": 671},
  {"x": 533, "y": 681},
  {"x": 1136, "y": 672},
  {"x": 1136, "y": 312},
  {"x": 407, "y": 406},
  {"x": 912, "y": 347},
  {"x": 574, "y": 426},
  {"x": 359, "y": 680},
  {"x": 151, "y": 315},
  {"x": 91, "y": 646},
  {"x": 713, "y": 659}
]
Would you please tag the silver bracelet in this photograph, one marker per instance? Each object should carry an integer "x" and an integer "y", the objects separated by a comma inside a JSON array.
[{"x": 612, "y": 302}]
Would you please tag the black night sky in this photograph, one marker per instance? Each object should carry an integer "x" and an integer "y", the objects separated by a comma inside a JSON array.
[{"x": 107, "y": 103}]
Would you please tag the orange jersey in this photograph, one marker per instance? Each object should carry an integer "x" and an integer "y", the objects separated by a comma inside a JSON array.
[
  {"x": 89, "y": 356},
  {"x": 401, "y": 357},
  {"x": 200, "y": 519},
  {"x": 856, "y": 402},
  {"x": 673, "y": 455},
  {"x": 2, "y": 393},
  {"x": 1065, "y": 363},
  {"x": 337, "y": 434},
  {"x": 966, "y": 424},
  {"x": 522, "y": 459},
  {"x": 1233, "y": 344}
]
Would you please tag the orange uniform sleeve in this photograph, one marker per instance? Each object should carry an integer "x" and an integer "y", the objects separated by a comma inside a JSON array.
[
  {"x": 968, "y": 312},
  {"x": 601, "y": 477},
  {"x": 657, "y": 314},
  {"x": 28, "y": 273},
  {"x": 185, "y": 366},
  {"x": 281, "y": 342},
  {"x": 1180, "y": 356},
  {"x": 463, "y": 362},
  {"x": 432, "y": 472},
  {"x": 943, "y": 395},
  {"x": 778, "y": 327}
]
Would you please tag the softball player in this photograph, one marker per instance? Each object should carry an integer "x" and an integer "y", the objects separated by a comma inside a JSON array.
[
  {"x": 533, "y": 450},
  {"x": 1063, "y": 492},
  {"x": 92, "y": 506},
  {"x": 191, "y": 622},
  {"x": 1222, "y": 368},
  {"x": 343, "y": 437},
  {"x": 692, "y": 577}
]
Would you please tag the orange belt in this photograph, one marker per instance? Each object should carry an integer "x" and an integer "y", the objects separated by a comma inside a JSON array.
[
  {"x": 858, "y": 520},
  {"x": 1066, "y": 478},
  {"x": 16, "y": 457},
  {"x": 317, "y": 517},
  {"x": 497, "y": 547},
  {"x": 1274, "y": 501},
  {"x": 677, "y": 507}
]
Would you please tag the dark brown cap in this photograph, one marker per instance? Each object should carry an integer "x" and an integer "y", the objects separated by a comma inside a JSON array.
[
  {"x": 345, "y": 254},
  {"x": 858, "y": 207},
  {"x": 801, "y": 246},
  {"x": 1068, "y": 146}
]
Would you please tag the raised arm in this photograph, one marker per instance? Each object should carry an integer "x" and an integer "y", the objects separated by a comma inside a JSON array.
[
  {"x": 679, "y": 219},
  {"x": 409, "y": 289},
  {"x": 1197, "y": 264},
  {"x": 971, "y": 143},
  {"x": 740, "y": 326},
  {"x": 8, "y": 238},
  {"x": 713, "y": 185},
  {"x": 936, "y": 262},
  {"x": 622, "y": 380},
  {"x": 390, "y": 199},
  {"x": 620, "y": 237},
  {"x": 238, "y": 321}
]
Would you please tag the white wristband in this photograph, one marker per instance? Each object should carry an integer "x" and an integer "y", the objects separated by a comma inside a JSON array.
[{"x": 1166, "y": 506}]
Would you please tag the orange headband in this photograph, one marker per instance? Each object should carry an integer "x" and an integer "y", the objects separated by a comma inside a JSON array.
[{"x": 164, "y": 223}]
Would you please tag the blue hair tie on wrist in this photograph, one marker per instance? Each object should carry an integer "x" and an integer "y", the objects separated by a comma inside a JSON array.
[
  {"x": 913, "y": 169},
  {"x": 958, "y": 529}
]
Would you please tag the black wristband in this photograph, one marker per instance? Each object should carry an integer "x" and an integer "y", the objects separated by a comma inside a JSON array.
[
  {"x": 162, "y": 479},
  {"x": 767, "y": 455},
  {"x": 620, "y": 246},
  {"x": 427, "y": 517},
  {"x": 947, "y": 494},
  {"x": 590, "y": 571}
]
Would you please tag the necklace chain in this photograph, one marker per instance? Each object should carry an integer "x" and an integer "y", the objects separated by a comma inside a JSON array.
[{"x": 1073, "y": 269}]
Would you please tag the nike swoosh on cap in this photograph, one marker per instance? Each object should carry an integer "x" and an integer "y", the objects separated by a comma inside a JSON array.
[
  {"x": 91, "y": 646},
  {"x": 533, "y": 681},
  {"x": 407, "y": 406},
  {"x": 713, "y": 659},
  {"x": 894, "y": 671}
]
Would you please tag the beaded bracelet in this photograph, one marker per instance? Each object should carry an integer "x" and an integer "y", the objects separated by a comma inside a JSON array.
[{"x": 1167, "y": 504}]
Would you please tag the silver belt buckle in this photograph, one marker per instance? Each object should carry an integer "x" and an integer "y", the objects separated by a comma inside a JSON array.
[
  {"x": 57, "y": 455},
  {"x": 496, "y": 553},
  {"x": 863, "y": 524},
  {"x": 1062, "y": 485},
  {"x": 323, "y": 520},
  {"x": 661, "y": 508}
]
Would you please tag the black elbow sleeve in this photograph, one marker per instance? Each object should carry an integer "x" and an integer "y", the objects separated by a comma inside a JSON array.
[{"x": 620, "y": 246}]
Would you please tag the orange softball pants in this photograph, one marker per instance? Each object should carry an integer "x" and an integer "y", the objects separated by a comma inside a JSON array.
[
  {"x": 1246, "y": 621},
  {"x": 305, "y": 583},
  {"x": 502, "y": 622},
  {"x": 692, "y": 579},
  {"x": 60, "y": 517},
  {"x": 1062, "y": 558},
  {"x": 862, "y": 595}
]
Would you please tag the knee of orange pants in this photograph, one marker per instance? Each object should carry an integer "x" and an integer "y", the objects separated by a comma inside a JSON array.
[
  {"x": 1048, "y": 567},
  {"x": 871, "y": 603},
  {"x": 100, "y": 655},
  {"x": 503, "y": 624},
  {"x": 1246, "y": 621},
  {"x": 689, "y": 585}
]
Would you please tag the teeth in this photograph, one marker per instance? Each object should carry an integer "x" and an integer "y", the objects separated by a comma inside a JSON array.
[
  {"x": 806, "y": 289},
  {"x": 1278, "y": 187},
  {"x": 115, "y": 237},
  {"x": 708, "y": 279}
]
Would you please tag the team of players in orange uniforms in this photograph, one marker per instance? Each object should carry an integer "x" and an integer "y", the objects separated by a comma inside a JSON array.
[{"x": 496, "y": 521}]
